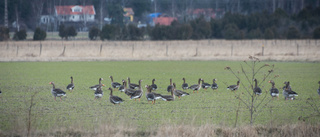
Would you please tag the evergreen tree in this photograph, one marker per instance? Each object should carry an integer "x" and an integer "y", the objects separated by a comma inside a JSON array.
[
  {"x": 110, "y": 32},
  {"x": 39, "y": 34},
  {"x": 231, "y": 31},
  {"x": 201, "y": 29},
  {"x": 4, "y": 33},
  {"x": 134, "y": 32},
  {"x": 115, "y": 11},
  {"x": 62, "y": 31},
  {"x": 20, "y": 35},
  {"x": 71, "y": 32},
  {"x": 268, "y": 34},
  {"x": 293, "y": 33},
  {"x": 316, "y": 33},
  {"x": 254, "y": 34},
  {"x": 94, "y": 32}
]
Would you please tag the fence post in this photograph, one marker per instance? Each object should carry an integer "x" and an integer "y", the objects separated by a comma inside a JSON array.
[
  {"x": 166, "y": 50},
  {"x": 262, "y": 49},
  {"x": 100, "y": 49},
  {"x": 17, "y": 50},
  {"x": 232, "y": 50},
  {"x": 40, "y": 48},
  {"x": 132, "y": 50},
  {"x": 297, "y": 49}
]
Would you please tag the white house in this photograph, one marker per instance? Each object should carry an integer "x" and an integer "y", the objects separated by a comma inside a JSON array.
[{"x": 75, "y": 13}]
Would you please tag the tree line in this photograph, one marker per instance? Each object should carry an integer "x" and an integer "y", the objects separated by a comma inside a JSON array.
[{"x": 260, "y": 25}]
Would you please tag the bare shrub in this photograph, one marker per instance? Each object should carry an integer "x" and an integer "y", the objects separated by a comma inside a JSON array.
[{"x": 252, "y": 70}]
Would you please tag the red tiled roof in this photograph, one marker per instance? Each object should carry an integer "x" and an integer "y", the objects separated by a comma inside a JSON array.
[
  {"x": 164, "y": 20},
  {"x": 203, "y": 11},
  {"x": 67, "y": 10},
  {"x": 206, "y": 12}
]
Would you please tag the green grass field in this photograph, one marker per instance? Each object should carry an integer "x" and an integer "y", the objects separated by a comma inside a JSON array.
[{"x": 19, "y": 80}]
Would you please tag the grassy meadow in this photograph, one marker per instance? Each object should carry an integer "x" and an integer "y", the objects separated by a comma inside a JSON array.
[{"x": 79, "y": 109}]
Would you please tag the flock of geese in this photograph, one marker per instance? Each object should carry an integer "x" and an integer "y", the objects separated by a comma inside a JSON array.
[{"x": 135, "y": 91}]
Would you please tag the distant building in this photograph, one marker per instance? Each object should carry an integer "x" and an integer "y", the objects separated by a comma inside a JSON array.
[
  {"x": 128, "y": 15},
  {"x": 206, "y": 13},
  {"x": 151, "y": 17},
  {"x": 166, "y": 21},
  {"x": 75, "y": 13}
]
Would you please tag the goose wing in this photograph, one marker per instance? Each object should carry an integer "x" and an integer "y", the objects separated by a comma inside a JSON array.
[{"x": 70, "y": 86}]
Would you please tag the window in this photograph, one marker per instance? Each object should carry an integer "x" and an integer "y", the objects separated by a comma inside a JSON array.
[{"x": 76, "y": 9}]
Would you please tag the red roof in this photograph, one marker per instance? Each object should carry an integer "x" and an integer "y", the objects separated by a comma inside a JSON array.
[
  {"x": 206, "y": 12},
  {"x": 67, "y": 10},
  {"x": 164, "y": 20}
]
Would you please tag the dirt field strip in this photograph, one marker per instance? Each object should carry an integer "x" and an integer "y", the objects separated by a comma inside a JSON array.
[{"x": 279, "y": 50}]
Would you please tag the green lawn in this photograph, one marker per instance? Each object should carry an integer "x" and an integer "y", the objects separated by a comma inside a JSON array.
[{"x": 19, "y": 80}]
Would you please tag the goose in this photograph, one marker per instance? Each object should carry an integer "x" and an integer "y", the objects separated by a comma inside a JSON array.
[
  {"x": 95, "y": 87},
  {"x": 149, "y": 95},
  {"x": 234, "y": 87},
  {"x": 132, "y": 85},
  {"x": 98, "y": 93},
  {"x": 291, "y": 94},
  {"x": 256, "y": 90},
  {"x": 179, "y": 93},
  {"x": 137, "y": 93},
  {"x": 114, "y": 84},
  {"x": 170, "y": 87},
  {"x": 287, "y": 91},
  {"x": 214, "y": 85},
  {"x": 56, "y": 92},
  {"x": 114, "y": 99},
  {"x": 128, "y": 91},
  {"x": 70, "y": 87},
  {"x": 154, "y": 86},
  {"x": 317, "y": 90},
  {"x": 156, "y": 95},
  {"x": 121, "y": 88},
  {"x": 168, "y": 97},
  {"x": 205, "y": 85},
  {"x": 185, "y": 85},
  {"x": 196, "y": 87},
  {"x": 274, "y": 92}
]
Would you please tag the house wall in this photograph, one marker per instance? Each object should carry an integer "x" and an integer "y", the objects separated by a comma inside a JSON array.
[
  {"x": 282, "y": 50},
  {"x": 78, "y": 18}
]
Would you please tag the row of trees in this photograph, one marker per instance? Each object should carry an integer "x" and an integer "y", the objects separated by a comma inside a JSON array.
[
  {"x": 28, "y": 12},
  {"x": 261, "y": 25},
  {"x": 38, "y": 34}
]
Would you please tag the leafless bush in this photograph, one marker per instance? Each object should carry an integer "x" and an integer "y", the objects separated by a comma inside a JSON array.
[{"x": 251, "y": 70}]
